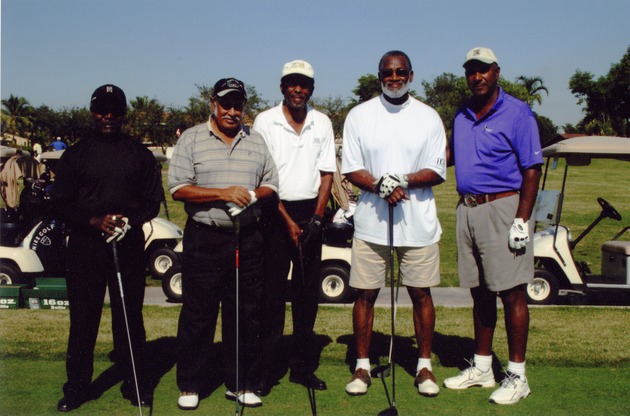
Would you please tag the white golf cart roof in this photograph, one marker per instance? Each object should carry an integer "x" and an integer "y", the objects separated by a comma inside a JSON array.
[{"x": 579, "y": 150}]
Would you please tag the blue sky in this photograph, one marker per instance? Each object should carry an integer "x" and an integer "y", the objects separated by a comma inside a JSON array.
[{"x": 56, "y": 52}]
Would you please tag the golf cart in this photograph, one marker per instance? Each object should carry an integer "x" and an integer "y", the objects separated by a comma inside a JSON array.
[
  {"x": 33, "y": 243},
  {"x": 556, "y": 270}
]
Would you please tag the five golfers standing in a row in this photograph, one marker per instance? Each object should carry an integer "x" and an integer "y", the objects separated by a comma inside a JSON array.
[{"x": 255, "y": 201}]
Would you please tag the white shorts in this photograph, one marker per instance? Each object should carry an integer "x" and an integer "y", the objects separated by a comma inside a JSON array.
[{"x": 418, "y": 266}]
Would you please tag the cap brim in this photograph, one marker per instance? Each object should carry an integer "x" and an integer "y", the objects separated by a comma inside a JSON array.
[
  {"x": 483, "y": 60},
  {"x": 226, "y": 92}
]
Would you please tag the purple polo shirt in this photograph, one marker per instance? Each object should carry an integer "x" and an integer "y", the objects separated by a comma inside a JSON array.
[{"x": 491, "y": 153}]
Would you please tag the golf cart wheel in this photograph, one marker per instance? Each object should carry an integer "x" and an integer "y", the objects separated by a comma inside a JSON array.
[
  {"x": 544, "y": 289},
  {"x": 161, "y": 260},
  {"x": 172, "y": 284},
  {"x": 9, "y": 274},
  {"x": 334, "y": 286}
]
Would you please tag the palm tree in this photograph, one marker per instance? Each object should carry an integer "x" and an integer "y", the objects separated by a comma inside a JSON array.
[
  {"x": 534, "y": 86},
  {"x": 16, "y": 115}
]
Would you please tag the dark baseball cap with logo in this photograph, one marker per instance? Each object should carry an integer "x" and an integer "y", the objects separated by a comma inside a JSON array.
[
  {"x": 224, "y": 86},
  {"x": 107, "y": 99}
]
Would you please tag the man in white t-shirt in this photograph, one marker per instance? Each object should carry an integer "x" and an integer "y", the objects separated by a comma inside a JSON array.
[
  {"x": 394, "y": 150},
  {"x": 301, "y": 142}
]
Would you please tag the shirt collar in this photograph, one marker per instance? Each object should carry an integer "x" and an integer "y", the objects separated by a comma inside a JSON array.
[{"x": 240, "y": 135}]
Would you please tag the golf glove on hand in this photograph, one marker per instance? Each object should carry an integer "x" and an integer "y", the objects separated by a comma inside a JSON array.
[
  {"x": 312, "y": 229},
  {"x": 119, "y": 232},
  {"x": 519, "y": 234},
  {"x": 235, "y": 209},
  {"x": 388, "y": 183}
]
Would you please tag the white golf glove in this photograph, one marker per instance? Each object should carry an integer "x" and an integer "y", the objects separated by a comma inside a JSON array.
[
  {"x": 119, "y": 232},
  {"x": 519, "y": 234},
  {"x": 388, "y": 183},
  {"x": 235, "y": 209}
]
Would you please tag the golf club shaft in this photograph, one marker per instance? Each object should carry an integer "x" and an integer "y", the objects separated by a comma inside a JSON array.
[
  {"x": 311, "y": 392},
  {"x": 122, "y": 300},
  {"x": 393, "y": 304},
  {"x": 237, "y": 236}
]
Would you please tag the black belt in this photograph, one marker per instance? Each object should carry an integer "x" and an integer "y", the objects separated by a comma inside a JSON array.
[
  {"x": 227, "y": 229},
  {"x": 472, "y": 200}
]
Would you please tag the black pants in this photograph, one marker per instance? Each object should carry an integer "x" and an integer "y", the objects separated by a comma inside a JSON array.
[
  {"x": 280, "y": 252},
  {"x": 90, "y": 269},
  {"x": 209, "y": 280}
]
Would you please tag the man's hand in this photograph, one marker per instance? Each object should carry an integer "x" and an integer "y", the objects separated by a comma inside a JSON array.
[
  {"x": 388, "y": 183},
  {"x": 236, "y": 209},
  {"x": 519, "y": 234},
  {"x": 122, "y": 226},
  {"x": 312, "y": 230}
]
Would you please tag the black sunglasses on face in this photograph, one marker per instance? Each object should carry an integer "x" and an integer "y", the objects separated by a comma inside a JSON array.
[
  {"x": 386, "y": 73},
  {"x": 231, "y": 102}
]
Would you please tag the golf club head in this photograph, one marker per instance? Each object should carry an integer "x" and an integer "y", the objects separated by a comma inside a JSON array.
[
  {"x": 381, "y": 371},
  {"x": 392, "y": 411}
]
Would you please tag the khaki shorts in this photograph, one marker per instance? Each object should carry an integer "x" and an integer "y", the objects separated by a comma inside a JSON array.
[
  {"x": 419, "y": 266},
  {"x": 483, "y": 254}
]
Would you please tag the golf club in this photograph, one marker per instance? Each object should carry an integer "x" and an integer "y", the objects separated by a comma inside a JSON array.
[
  {"x": 391, "y": 411},
  {"x": 122, "y": 299},
  {"x": 311, "y": 391},
  {"x": 237, "y": 237}
]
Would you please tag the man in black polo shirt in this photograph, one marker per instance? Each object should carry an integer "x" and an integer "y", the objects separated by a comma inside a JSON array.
[{"x": 106, "y": 185}]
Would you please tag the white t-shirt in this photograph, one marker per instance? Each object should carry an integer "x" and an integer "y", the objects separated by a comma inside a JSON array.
[
  {"x": 299, "y": 158},
  {"x": 384, "y": 138}
]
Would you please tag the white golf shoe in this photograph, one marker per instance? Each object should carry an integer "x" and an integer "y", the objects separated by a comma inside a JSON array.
[
  {"x": 188, "y": 401},
  {"x": 513, "y": 389},
  {"x": 470, "y": 377},
  {"x": 245, "y": 398},
  {"x": 360, "y": 382},
  {"x": 426, "y": 382}
]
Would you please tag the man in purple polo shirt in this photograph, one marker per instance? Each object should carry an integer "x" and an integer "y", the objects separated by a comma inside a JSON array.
[{"x": 496, "y": 151}]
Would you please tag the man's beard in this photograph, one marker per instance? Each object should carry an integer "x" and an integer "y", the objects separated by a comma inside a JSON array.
[{"x": 395, "y": 93}]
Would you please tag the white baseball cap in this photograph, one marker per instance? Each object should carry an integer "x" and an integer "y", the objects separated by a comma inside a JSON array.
[
  {"x": 298, "y": 67},
  {"x": 481, "y": 54}
]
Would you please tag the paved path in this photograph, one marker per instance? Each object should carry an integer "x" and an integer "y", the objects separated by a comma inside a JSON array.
[{"x": 442, "y": 296}]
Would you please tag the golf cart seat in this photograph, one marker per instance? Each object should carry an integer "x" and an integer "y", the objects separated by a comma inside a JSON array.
[{"x": 615, "y": 260}]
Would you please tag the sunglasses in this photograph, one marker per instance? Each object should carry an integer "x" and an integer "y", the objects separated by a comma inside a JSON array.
[
  {"x": 228, "y": 102},
  {"x": 104, "y": 109},
  {"x": 386, "y": 73}
]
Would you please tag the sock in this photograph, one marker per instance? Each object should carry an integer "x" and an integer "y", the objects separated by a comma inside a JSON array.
[
  {"x": 363, "y": 363},
  {"x": 483, "y": 362},
  {"x": 517, "y": 368},
  {"x": 422, "y": 363}
]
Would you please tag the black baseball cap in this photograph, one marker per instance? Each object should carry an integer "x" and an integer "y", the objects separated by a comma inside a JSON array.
[
  {"x": 225, "y": 86},
  {"x": 108, "y": 98}
]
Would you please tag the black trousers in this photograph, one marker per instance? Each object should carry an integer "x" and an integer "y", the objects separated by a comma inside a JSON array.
[
  {"x": 209, "y": 280},
  {"x": 90, "y": 269},
  {"x": 280, "y": 252}
]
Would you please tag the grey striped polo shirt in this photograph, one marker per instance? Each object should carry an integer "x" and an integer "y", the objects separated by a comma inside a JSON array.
[{"x": 200, "y": 158}]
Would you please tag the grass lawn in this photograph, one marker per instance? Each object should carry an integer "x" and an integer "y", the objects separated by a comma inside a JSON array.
[{"x": 578, "y": 360}]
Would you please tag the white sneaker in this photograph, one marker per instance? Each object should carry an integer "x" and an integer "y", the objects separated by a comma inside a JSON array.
[
  {"x": 188, "y": 401},
  {"x": 513, "y": 388},
  {"x": 470, "y": 377},
  {"x": 360, "y": 382},
  {"x": 426, "y": 382},
  {"x": 245, "y": 398}
]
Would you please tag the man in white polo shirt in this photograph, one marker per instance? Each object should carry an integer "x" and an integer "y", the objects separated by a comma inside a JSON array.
[
  {"x": 301, "y": 142},
  {"x": 394, "y": 150}
]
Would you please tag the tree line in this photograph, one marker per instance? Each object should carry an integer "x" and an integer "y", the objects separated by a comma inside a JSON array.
[{"x": 606, "y": 102}]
